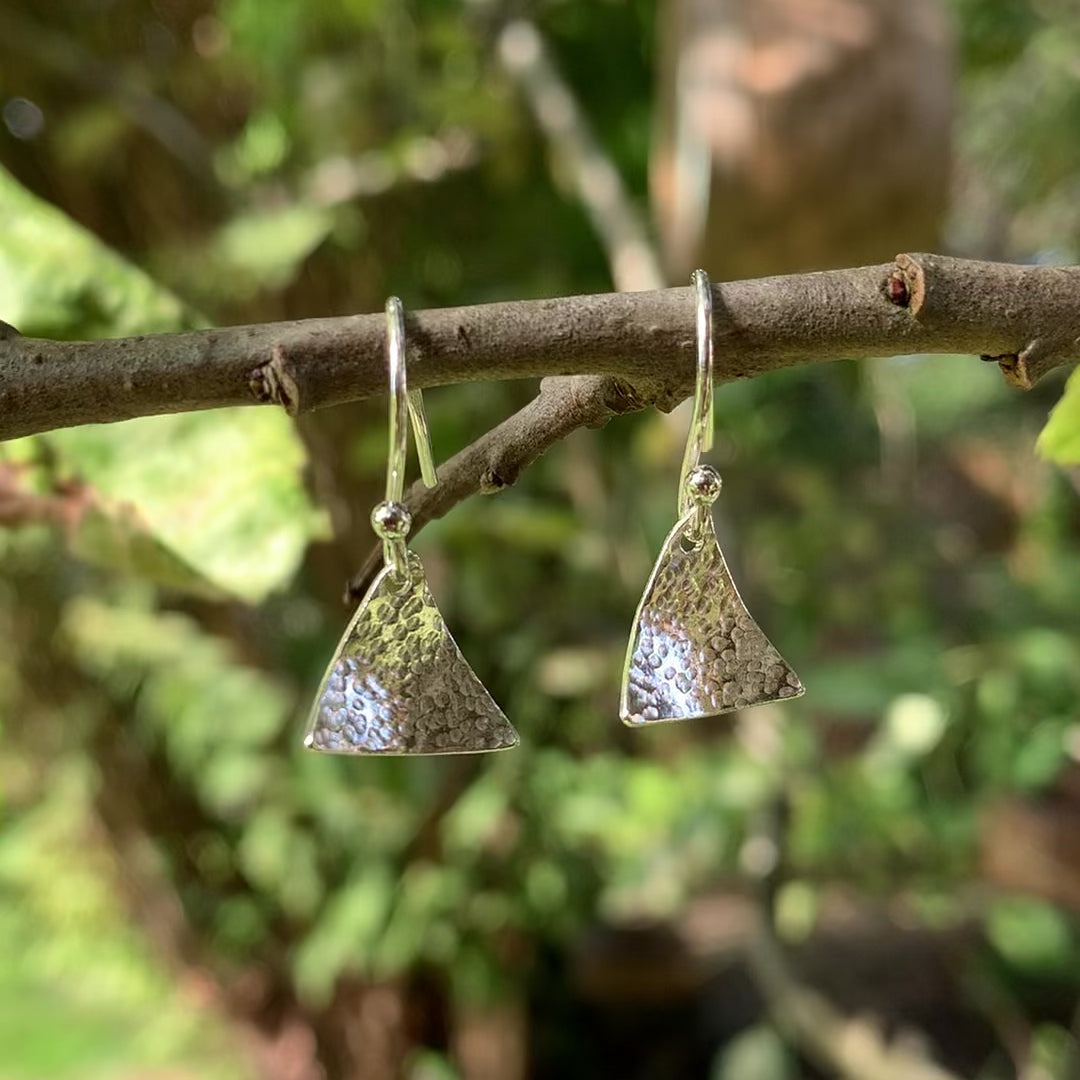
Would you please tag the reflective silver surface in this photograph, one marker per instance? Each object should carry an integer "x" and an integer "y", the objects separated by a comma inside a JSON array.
[
  {"x": 694, "y": 649},
  {"x": 398, "y": 683},
  {"x": 406, "y": 406},
  {"x": 700, "y": 438}
]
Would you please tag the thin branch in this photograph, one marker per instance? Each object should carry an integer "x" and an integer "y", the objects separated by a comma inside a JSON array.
[
  {"x": 597, "y": 183},
  {"x": 849, "y": 1047},
  {"x": 844, "y": 1046},
  {"x": 425, "y": 160},
  {"x": 1026, "y": 317},
  {"x": 498, "y": 457}
]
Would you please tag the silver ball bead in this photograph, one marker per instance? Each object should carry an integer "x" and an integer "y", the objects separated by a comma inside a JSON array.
[
  {"x": 704, "y": 484},
  {"x": 391, "y": 521}
]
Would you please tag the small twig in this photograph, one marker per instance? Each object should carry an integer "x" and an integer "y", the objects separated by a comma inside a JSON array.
[
  {"x": 63, "y": 506},
  {"x": 497, "y": 458},
  {"x": 846, "y": 1047},
  {"x": 597, "y": 183},
  {"x": 425, "y": 160}
]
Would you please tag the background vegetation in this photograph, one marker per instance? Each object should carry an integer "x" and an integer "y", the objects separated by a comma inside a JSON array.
[{"x": 184, "y": 892}]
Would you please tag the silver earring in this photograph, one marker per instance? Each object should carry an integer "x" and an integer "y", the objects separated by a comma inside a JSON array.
[
  {"x": 694, "y": 649},
  {"x": 398, "y": 683}
]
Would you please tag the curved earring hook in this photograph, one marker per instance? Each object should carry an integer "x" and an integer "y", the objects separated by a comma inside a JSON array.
[
  {"x": 404, "y": 405},
  {"x": 700, "y": 438},
  {"x": 390, "y": 519}
]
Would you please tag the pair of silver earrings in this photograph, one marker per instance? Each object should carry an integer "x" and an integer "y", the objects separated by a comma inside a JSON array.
[{"x": 398, "y": 684}]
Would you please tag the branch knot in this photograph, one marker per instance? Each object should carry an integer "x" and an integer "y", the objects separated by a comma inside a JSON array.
[{"x": 271, "y": 383}]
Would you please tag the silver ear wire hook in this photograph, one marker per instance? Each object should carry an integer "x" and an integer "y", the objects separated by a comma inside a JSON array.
[
  {"x": 390, "y": 519},
  {"x": 700, "y": 438},
  {"x": 403, "y": 400},
  {"x": 699, "y": 485}
]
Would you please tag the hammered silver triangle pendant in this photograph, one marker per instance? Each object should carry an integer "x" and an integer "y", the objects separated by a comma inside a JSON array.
[
  {"x": 398, "y": 683},
  {"x": 694, "y": 649}
]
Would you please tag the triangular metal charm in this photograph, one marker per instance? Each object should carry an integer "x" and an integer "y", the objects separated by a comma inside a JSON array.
[
  {"x": 694, "y": 650},
  {"x": 398, "y": 683}
]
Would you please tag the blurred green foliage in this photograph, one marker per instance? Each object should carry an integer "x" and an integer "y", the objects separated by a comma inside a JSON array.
[
  {"x": 61, "y": 920},
  {"x": 921, "y": 574},
  {"x": 208, "y": 502},
  {"x": 1060, "y": 439},
  {"x": 58, "y": 280}
]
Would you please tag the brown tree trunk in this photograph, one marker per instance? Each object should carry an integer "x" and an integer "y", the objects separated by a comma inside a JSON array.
[{"x": 792, "y": 134}]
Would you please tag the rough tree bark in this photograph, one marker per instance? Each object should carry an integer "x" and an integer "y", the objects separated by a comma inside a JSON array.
[
  {"x": 784, "y": 132},
  {"x": 1026, "y": 316}
]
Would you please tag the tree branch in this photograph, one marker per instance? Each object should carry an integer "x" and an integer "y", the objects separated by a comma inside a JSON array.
[
  {"x": 639, "y": 348},
  {"x": 848, "y": 1047},
  {"x": 1026, "y": 317},
  {"x": 597, "y": 183}
]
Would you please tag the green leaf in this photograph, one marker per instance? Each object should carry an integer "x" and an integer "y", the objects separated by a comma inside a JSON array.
[
  {"x": 1060, "y": 440},
  {"x": 1031, "y": 935},
  {"x": 756, "y": 1054},
  {"x": 113, "y": 535},
  {"x": 209, "y": 502},
  {"x": 345, "y": 932},
  {"x": 914, "y": 725},
  {"x": 213, "y": 714},
  {"x": 222, "y": 491},
  {"x": 1041, "y": 755},
  {"x": 267, "y": 247},
  {"x": 58, "y": 280}
]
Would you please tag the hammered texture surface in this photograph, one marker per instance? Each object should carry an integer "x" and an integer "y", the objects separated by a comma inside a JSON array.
[
  {"x": 398, "y": 683},
  {"x": 694, "y": 650}
]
